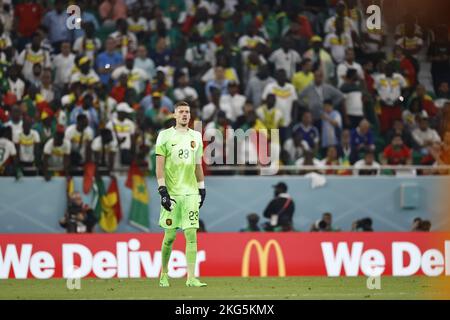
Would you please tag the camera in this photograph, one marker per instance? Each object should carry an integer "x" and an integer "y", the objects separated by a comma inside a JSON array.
[
  {"x": 321, "y": 224},
  {"x": 364, "y": 224}
]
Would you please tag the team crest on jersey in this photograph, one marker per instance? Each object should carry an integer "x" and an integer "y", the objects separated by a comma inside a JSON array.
[
  {"x": 169, "y": 222},
  {"x": 192, "y": 144}
]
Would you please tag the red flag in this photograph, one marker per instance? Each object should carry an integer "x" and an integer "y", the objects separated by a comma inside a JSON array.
[
  {"x": 134, "y": 170},
  {"x": 88, "y": 178}
]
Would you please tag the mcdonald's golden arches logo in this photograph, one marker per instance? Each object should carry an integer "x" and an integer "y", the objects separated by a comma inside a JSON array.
[{"x": 263, "y": 257}]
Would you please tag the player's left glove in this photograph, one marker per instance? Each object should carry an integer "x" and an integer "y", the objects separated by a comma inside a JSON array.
[{"x": 202, "y": 193}]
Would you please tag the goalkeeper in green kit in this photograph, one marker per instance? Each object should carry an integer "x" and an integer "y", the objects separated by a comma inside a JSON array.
[{"x": 181, "y": 185}]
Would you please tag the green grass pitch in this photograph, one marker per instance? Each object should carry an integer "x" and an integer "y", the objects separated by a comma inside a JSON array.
[{"x": 269, "y": 288}]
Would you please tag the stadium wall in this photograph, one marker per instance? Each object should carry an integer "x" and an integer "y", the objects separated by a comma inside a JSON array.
[{"x": 31, "y": 205}]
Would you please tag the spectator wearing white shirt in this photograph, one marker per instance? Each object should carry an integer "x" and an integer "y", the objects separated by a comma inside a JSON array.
[
  {"x": 88, "y": 45},
  {"x": 286, "y": 58},
  {"x": 234, "y": 101},
  {"x": 349, "y": 25},
  {"x": 296, "y": 147},
  {"x": 125, "y": 40},
  {"x": 7, "y": 152},
  {"x": 184, "y": 92},
  {"x": 285, "y": 93},
  {"x": 136, "y": 23},
  {"x": 32, "y": 55},
  {"x": 209, "y": 112},
  {"x": 137, "y": 78},
  {"x": 80, "y": 136},
  {"x": 409, "y": 41},
  {"x": 159, "y": 18},
  {"x": 250, "y": 40},
  {"x": 5, "y": 40},
  {"x": 201, "y": 55},
  {"x": 424, "y": 136},
  {"x": 349, "y": 63},
  {"x": 124, "y": 131},
  {"x": 86, "y": 74},
  {"x": 308, "y": 160},
  {"x": 27, "y": 144},
  {"x": 15, "y": 84},
  {"x": 337, "y": 42},
  {"x": 47, "y": 89},
  {"x": 389, "y": 88},
  {"x": 104, "y": 148},
  {"x": 15, "y": 121},
  {"x": 353, "y": 98},
  {"x": 408, "y": 21},
  {"x": 63, "y": 64},
  {"x": 56, "y": 155},
  {"x": 367, "y": 166}
]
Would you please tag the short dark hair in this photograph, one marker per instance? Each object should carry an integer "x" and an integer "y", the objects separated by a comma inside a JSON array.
[
  {"x": 82, "y": 117},
  {"x": 181, "y": 104}
]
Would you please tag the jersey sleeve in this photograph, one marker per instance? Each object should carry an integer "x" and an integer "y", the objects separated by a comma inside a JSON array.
[
  {"x": 199, "y": 152},
  {"x": 160, "y": 148}
]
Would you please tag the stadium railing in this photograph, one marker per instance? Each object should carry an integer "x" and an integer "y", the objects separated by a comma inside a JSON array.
[{"x": 303, "y": 169}]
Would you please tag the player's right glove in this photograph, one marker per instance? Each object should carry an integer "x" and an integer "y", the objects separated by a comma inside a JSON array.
[
  {"x": 165, "y": 198},
  {"x": 202, "y": 193}
]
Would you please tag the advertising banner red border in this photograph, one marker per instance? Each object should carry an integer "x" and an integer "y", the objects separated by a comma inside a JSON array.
[{"x": 226, "y": 254}]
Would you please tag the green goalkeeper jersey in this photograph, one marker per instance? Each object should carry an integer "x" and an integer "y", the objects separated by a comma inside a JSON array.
[{"x": 182, "y": 150}]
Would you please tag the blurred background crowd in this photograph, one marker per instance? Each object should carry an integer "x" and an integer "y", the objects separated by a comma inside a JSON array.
[{"x": 340, "y": 93}]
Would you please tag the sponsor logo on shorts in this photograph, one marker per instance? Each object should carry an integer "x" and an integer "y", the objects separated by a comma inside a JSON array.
[{"x": 169, "y": 222}]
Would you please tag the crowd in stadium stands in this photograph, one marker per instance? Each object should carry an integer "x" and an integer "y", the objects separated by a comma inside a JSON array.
[{"x": 340, "y": 93}]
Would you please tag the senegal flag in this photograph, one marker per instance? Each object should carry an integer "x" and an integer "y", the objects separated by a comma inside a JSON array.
[
  {"x": 98, "y": 190},
  {"x": 88, "y": 176},
  {"x": 139, "y": 215},
  {"x": 111, "y": 212}
]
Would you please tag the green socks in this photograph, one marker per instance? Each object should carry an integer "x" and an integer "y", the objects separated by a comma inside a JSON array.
[
  {"x": 166, "y": 250},
  {"x": 191, "y": 250}
]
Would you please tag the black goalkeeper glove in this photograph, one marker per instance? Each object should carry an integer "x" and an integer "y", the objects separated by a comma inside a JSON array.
[
  {"x": 202, "y": 196},
  {"x": 165, "y": 198}
]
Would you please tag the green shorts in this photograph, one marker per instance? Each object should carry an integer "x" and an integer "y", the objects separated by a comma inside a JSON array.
[{"x": 184, "y": 213}]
